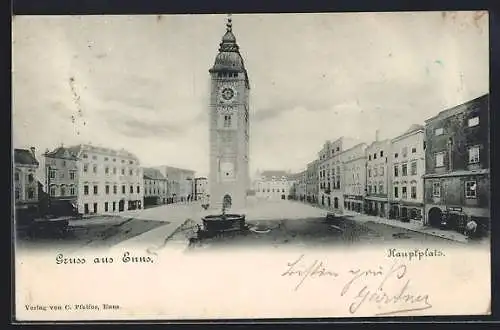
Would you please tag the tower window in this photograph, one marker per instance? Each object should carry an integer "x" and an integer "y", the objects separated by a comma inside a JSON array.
[{"x": 227, "y": 121}]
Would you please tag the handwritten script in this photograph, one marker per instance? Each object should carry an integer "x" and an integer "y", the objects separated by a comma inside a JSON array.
[{"x": 388, "y": 289}]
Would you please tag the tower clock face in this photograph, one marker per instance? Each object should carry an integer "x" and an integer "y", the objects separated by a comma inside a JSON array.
[{"x": 227, "y": 94}]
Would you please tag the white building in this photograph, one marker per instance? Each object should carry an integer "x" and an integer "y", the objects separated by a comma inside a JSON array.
[
  {"x": 273, "y": 185},
  {"x": 354, "y": 164},
  {"x": 407, "y": 164},
  {"x": 376, "y": 201},
  {"x": 108, "y": 180},
  {"x": 155, "y": 187},
  {"x": 330, "y": 172},
  {"x": 179, "y": 182}
]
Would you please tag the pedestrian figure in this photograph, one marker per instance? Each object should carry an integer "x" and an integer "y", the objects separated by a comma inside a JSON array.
[{"x": 470, "y": 228}]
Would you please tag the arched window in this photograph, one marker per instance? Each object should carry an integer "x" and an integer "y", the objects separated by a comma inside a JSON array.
[{"x": 63, "y": 190}]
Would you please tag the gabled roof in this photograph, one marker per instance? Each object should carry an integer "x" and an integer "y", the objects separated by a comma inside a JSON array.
[
  {"x": 152, "y": 174},
  {"x": 62, "y": 153},
  {"x": 24, "y": 157}
]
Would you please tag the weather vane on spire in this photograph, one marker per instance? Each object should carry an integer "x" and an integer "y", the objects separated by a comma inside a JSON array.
[{"x": 229, "y": 23}]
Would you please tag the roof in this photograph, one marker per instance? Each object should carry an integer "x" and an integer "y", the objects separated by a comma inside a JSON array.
[
  {"x": 275, "y": 173},
  {"x": 62, "y": 153},
  {"x": 90, "y": 148},
  {"x": 152, "y": 174},
  {"x": 24, "y": 157},
  {"x": 481, "y": 100}
]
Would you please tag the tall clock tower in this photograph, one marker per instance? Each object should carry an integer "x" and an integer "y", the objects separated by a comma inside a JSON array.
[{"x": 229, "y": 177}]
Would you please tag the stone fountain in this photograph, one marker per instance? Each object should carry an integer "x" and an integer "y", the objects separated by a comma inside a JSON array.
[{"x": 219, "y": 223}]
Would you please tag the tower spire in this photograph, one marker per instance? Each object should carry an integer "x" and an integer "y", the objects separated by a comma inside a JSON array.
[{"x": 229, "y": 24}]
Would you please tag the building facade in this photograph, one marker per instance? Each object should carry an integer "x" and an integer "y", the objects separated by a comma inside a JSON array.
[
  {"x": 201, "y": 188},
  {"x": 108, "y": 180},
  {"x": 377, "y": 178},
  {"x": 179, "y": 182},
  {"x": 457, "y": 164},
  {"x": 25, "y": 183},
  {"x": 155, "y": 187},
  {"x": 229, "y": 129},
  {"x": 61, "y": 177},
  {"x": 354, "y": 164},
  {"x": 273, "y": 185},
  {"x": 407, "y": 167},
  {"x": 330, "y": 172},
  {"x": 312, "y": 182}
]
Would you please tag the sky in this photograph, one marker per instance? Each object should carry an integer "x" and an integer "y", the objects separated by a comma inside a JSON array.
[{"x": 142, "y": 82}]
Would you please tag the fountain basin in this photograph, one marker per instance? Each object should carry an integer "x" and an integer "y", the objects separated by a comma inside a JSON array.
[{"x": 219, "y": 222}]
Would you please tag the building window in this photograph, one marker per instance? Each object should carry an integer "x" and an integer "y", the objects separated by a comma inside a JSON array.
[
  {"x": 474, "y": 121},
  {"x": 85, "y": 168},
  {"x": 131, "y": 189},
  {"x": 413, "y": 192},
  {"x": 18, "y": 194},
  {"x": 369, "y": 157},
  {"x": 114, "y": 170},
  {"x": 123, "y": 189},
  {"x": 52, "y": 190},
  {"x": 115, "y": 189},
  {"x": 72, "y": 190},
  {"x": 440, "y": 159},
  {"x": 381, "y": 170},
  {"x": 396, "y": 192},
  {"x": 105, "y": 206},
  {"x": 94, "y": 157},
  {"x": 413, "y": 150},
  {"x": 369, "y": 189},
  {"x": 85, "y": 156},
  {"x": 381, "y": 153},
  {"x": 52, "y": 174},
  {"x": 72, "y": 175},
  {"x": 227, "y": 121},
  {"x": 396, "y": 170},
  {"x": 106, "y": 170},
  {"x": 107, "y": 189},
  {"x": 95, "y": 169},
  {"x": 404, "y": 169},
  {"x": 374, "y": 156},
  {"x": 86, "y": 190},
  {"x": 380, "y": 188},
  {"x": 396, "y": 155},
  {"x": 62, "y": 175},
  {"x": 123, "y": 171},
  {"x": 403, "y": 193},
  {"x": 405, "y": 151},
  {"x": 414, "y": 168},
  {"x": 63, "y": 191},
  {"x": 16, "y": 176},
  {"x": 473, "y": 155},
  {"x": 375, "y": 172},
  {"x": 439, "y": 131},
  {"x": 96, "y": 190},
  {"x": 106, "y": 159},
  {"x": 470, "y": 189},
  {"x": 374, "y": 188},
  {"x": 31, "y": 193},
  {"x": 436, "y": 189},
  {"x": 138, "y": 189}
]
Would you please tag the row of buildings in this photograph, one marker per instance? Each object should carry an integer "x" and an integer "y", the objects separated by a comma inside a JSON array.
[
  {"x": 98, "y": 180},
  {"x": 441, "y": 167}
]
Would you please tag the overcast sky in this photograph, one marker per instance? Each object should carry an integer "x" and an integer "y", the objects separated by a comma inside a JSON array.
[{"x": 142, "y": 82}]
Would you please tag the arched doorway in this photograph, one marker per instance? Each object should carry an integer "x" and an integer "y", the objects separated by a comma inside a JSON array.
[
  {"x": 329, "y": 201},
  {"x": 121, "y": 205},
  {"x": 435, "y": 216},
  {"x": 227, "y": 201},
  {"x": 336, "y": 202},
  {"x": 323, "y": 200}
]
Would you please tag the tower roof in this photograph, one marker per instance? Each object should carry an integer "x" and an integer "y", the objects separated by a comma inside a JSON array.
[{"x": 229, "y": 57}]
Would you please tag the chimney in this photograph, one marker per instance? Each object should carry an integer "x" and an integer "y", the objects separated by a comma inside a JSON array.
[
  {"x": 377, "y": 135},
  {"x": 33, "y": 151}
]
